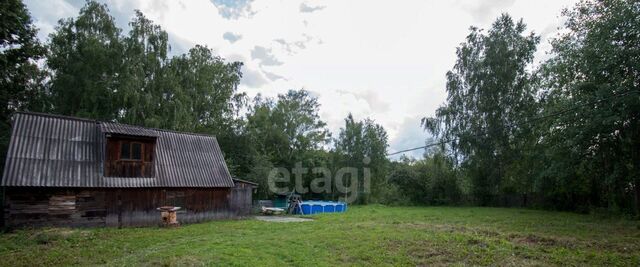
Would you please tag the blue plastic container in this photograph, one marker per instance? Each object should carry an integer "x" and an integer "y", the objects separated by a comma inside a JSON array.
[
  {"x": 314, "y": 207},
  {"x": 317, "y": 208},
  {"x": 330, "y": 208}
]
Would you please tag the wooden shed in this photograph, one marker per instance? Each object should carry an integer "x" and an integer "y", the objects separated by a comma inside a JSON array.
[{"x": 67, "y": 171}]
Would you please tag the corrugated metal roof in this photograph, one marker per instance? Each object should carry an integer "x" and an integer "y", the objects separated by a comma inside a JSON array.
[
  {"x": 117, "y": 128},
  {"x": 244, "y": 181},
  {"x": 59, "y": 151}
]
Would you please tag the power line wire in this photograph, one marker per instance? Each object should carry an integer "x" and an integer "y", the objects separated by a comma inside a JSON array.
[{"x": 528, "y": 121}]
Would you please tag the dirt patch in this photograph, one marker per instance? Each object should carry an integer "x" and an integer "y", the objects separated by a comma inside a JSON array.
[
  {"x": 533, "y": 240},
  {"x": 435, "y": 227},
  {"x": 448, "y": 228},
  {"x": 487, "y": 233},
  {"x": 430, "y": 256},
  {"x": 621, "y": 247},
  {"x": 484, "y": 233},
  {"x": 51, "y": 235},
  {"x": 421, "y": 252},
  {"x": 175, "y": 261},
  {"x": 477, "y": 242},
  {"x": 537, "y": 240}
]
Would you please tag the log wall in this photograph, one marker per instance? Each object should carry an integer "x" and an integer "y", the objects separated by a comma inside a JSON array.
[{"x": 29, "y": 206}]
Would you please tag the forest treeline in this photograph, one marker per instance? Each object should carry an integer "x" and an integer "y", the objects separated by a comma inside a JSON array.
[{"x": 561, "y": 134}]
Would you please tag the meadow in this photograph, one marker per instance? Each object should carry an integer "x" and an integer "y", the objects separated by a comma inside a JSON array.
[{"x": 364, "y": 235}]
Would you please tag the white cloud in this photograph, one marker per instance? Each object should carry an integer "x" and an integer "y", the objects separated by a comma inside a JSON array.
[
  {"x": 306, "y": 8},
  {"x": 410, "y": 135},
  {"x": 485, "y": 10},
  {"x": 265, "y": 56},
  {"x": 253, "y": 78},
  {"x": 371, "y": 58},
  {"x": 231, "y": 37},
  {"x": 371, "y": 97},
  {"x": 46, "y": 18},
  {"x": 273, "y": 76},
  {"x": 234, "y": 9}
]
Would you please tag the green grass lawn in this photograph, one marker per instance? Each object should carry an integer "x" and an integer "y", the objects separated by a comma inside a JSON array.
[{"x": 367, "y": 235}]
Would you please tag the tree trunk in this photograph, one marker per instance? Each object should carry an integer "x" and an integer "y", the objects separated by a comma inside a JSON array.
[
  {"x": 635, "y": 157},
  {"x": 637, "y": 186},
  {"x": 636, "y": 177}
]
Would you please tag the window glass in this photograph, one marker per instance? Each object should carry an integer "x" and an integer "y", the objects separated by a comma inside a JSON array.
[
  {"x": 129, "y": 158},
  {"x": 136, "y": 151},
  {"x": 125, "y": 150}
]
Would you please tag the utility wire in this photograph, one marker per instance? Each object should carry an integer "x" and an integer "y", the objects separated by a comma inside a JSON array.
[
  {"x": 425, "y": 146},
  {"x": 557, "y": 113}
]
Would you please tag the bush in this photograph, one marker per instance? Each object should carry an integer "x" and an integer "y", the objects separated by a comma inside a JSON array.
[{"x": 431, "y": 181}]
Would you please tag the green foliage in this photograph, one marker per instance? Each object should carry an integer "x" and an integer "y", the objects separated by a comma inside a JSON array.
[
  {"x": 131, "y": 79},
  {"x": 288, "y": 129},
  {"x": 593, "y": 152},
  {"x": 19, "y": 74},
  {"x": 563, "y": 136},
  {"x": 363, "y": 145},
  {"x": 431, "y": 181},
  {"x": 287, "y": 132},
  {"x": 261, "y": 166},
  {"x": 146, "y": 82},
  {"x": 99, "y": 73},
  {"x": 490, "y": 95},
  {"x": 86, "y": 59},
  {"x": 208, "y": 99},
  {"x": 363, "y": 236}
]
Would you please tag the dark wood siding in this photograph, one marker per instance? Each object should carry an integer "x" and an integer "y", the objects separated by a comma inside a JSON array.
[
  {"x": 241, "y": 198},
  {"x": 40, "y": 207},
  {"x": 120, "y": 207},
  {"x": 137, "y": 207},
  {"x": 117, "y": 166}
]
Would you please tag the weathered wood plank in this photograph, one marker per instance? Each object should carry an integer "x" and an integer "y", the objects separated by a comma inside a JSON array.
[{"x": 100, "y": 207}]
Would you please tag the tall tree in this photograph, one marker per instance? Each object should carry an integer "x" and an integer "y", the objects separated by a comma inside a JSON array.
[
  {"x": 363, "y": 144},
  {"x": 489, "y": 98},
  {"x": 143, "y": 87},
  {"x": 85, "y": 56},
  {"x": 20, "y": 77},
  {"x": 209, "y": 90},
  {"x": 196, "y": 92},
  {"x": 205, "y": 99},
  {"x": 594, "y": 148},
  {"x": 288, "y": 130}
]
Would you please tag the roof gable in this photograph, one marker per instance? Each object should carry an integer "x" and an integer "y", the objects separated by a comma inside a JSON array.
[{"x": 59, "y": 151}]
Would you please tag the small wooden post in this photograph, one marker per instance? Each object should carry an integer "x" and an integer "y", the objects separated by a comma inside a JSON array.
[{"x": 169, "y": 216}]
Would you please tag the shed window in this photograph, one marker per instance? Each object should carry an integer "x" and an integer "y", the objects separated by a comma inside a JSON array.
[
  {"x": 136, "y": 151},
  {"x": 129, "y": 157},
  {"x": 125, "y": 150},
  {"x": 131, "y": 150}
]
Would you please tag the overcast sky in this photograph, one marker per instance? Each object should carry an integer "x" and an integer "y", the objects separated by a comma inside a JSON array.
[{"x": 378, "y": 59}]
